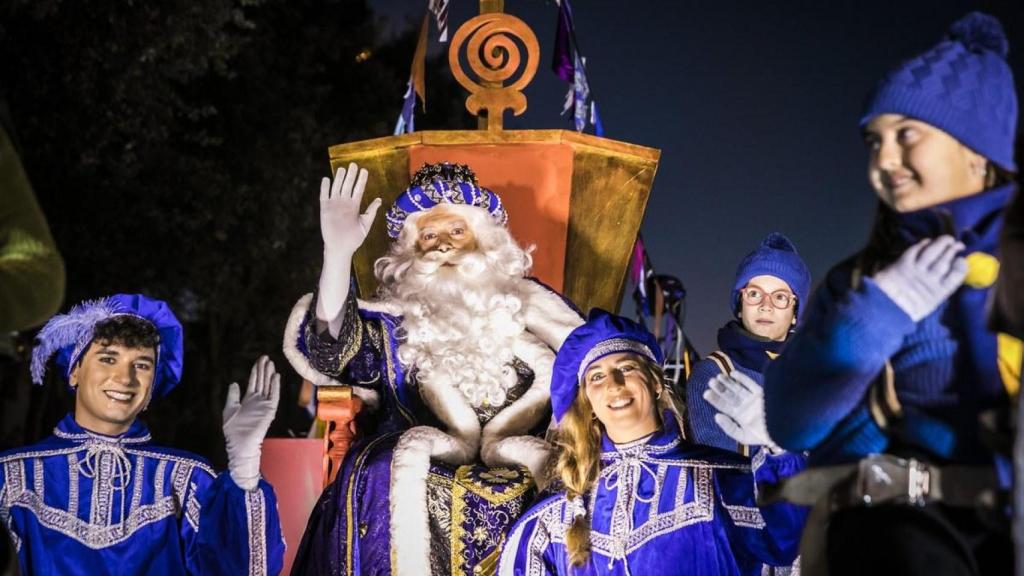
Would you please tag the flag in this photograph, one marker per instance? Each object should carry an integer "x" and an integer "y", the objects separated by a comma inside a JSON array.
[
  {"x": 563, "y": 62},
  {"x": 406, "y": 118},
  {"x": 569, "y": 65},
  {"x": 417, "y": 82},
  {"x": 439, "y": 8}
]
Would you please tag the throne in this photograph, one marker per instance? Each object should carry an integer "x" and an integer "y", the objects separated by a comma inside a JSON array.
[{"x": 579, "y": 198}]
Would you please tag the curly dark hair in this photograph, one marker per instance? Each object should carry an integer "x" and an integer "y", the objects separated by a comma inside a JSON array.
[{"x": 126, "y": 330}]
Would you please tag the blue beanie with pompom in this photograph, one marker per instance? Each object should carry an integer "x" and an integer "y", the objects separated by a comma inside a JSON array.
[
  {"x": 962, "y": 86},
  {"x": 776, "y": 256}
]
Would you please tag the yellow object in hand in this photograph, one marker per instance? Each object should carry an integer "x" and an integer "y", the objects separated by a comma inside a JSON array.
[{"x": 982, "y": 270}]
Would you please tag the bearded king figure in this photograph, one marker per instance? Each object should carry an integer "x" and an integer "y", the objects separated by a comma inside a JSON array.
[{"x": 453, "y": 359}]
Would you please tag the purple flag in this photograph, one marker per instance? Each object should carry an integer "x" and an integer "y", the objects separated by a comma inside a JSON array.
[
  {"x": 569, "y": 65},
  {"x": 563, "y": 62}
]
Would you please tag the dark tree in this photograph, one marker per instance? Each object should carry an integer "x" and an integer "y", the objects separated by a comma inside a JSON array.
[{"x": 177, "y": 147}]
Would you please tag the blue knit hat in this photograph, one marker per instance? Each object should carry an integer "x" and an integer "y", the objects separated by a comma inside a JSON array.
[
  {"x": 962, "y": 85},
  {"x": 68, "y": 336},
  {"x": 603, "y": 334},
  {"x": 776, "y": 256},
  {"x": 442, "y": 183}
]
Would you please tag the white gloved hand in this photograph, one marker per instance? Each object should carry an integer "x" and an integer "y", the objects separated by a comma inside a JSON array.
[
  {"x": 343, "y": 228},
  {"x": 924, "y": 276},
  {"x": 740, "y": 402},
  {"x": 246, "y": 422}
]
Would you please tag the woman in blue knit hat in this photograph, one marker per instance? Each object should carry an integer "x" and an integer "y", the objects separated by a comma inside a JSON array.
[
  {"x": 724, "y": 400},
  {"x": 893, "y": 367},
  {"x": 636, "y": 497}
]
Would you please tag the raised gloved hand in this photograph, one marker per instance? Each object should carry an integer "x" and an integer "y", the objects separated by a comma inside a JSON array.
[
  {"x": 246, "y": 422},
  {"x": 740, "y": 402},
  {"x": 924, "y": 276},
  {"x": 344, "y": 229}
]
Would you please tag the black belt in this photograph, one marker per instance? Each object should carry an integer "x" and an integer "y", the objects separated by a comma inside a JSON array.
[{"x": 887, "y": 479}]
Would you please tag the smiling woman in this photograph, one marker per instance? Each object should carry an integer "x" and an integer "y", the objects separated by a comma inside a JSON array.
[
  {"x": 894, "y": 365},
  {"x": 637, "y": 497},
  {"x": 622, "y": 390},
  {"x": 913, "y": 164}
]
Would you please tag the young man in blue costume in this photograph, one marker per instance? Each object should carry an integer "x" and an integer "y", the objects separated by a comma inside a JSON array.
[
  {"x": 724, "y": 400},
  {"x": 636, "y": 497},
  {"x": 98, "y": 497},
  {"x": 893, "y": 366}
]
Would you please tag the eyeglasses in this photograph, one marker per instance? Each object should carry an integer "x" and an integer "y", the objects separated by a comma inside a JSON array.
[{"x": 755, "y": 295}]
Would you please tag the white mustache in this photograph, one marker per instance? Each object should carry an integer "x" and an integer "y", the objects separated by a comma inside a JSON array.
[{"x": 467, "y": 264}]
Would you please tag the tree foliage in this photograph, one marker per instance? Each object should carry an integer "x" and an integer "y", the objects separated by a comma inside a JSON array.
[{"x": 177, "y": 148}]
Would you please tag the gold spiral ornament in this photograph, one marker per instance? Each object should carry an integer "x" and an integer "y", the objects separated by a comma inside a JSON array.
[{"x": 499, "y": 48}]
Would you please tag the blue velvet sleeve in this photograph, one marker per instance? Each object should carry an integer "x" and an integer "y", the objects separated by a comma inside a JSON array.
[
  {"x": 767, "y": 534},
  {"x": 701, "y": 415},
  {"x": 231, "y": 531},
  {"x": 520, "y": 555},
  {"x": 826, "y": 367},
  {"x": 356, "y": 355}
]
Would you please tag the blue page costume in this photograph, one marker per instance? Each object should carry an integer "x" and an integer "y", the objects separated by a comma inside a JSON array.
[
  {"x": 85, "y": 503},
  {"x": 665, "y": 506},
  {"x": 660, "y": 505}
]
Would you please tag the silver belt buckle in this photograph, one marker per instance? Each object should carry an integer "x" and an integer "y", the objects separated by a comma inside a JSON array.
[{"x": 883, "y": 478}]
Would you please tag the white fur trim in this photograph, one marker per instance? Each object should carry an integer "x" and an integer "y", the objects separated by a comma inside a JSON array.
[
  {"x": 298, "y": 360},
  {"x": 379, "y": 306},
  {"x": 547, "y": 315},
  {"x": 410, "y": 521},
  {"x": 453, "y": 409}
]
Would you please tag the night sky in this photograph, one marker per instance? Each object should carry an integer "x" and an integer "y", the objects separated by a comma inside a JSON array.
[{"x": 754, "y": 106}]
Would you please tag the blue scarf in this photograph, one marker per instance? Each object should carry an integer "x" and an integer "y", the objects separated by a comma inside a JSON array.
[
  {"x": 745, "y": 348},
  {"x": 974, "y": 220}
]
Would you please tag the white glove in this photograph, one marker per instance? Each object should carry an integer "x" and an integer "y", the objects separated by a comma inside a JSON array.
[
  {"x": 924, "y": 276},
  {"x": 344, "y": 229},
  {"x": 246, "y": 422},
  {"x": 740, "y": 402}
]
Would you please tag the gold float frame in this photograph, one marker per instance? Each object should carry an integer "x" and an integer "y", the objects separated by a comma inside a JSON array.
[{"x": 611, "y": 182}]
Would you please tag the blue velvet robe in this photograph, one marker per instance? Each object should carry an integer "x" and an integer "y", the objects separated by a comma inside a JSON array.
[
  {"x": 83, "y": 503},
  {"x": 665, "y": 506},
  {"x": 349, "y": 530}
]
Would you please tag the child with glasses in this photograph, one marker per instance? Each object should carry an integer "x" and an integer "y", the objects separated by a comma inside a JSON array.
[{"x": 723, "y": 394}]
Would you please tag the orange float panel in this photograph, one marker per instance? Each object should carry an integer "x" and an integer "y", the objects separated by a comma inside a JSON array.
[
  {"x": 294, "y": 467},
  {"x": 534, "y": 181}
]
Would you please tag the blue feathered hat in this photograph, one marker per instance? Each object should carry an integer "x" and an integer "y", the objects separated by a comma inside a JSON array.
[
  {"x": 68, "y": 336},
  {"x": 776, "y": 256},
  {"x": 962, "y": 85},
  {"x": 442, "y": 183},
  {"x": 602, "y": 334}
]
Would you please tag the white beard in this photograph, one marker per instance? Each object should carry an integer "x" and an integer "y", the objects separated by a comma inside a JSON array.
[{"x": 460, "y": 320}]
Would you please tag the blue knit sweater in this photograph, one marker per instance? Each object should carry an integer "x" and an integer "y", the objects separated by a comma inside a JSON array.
[
  {"x": 945, "y": 366},
  {"x": 700, "y": 414},
  {"x": 749, "y": 355}
]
